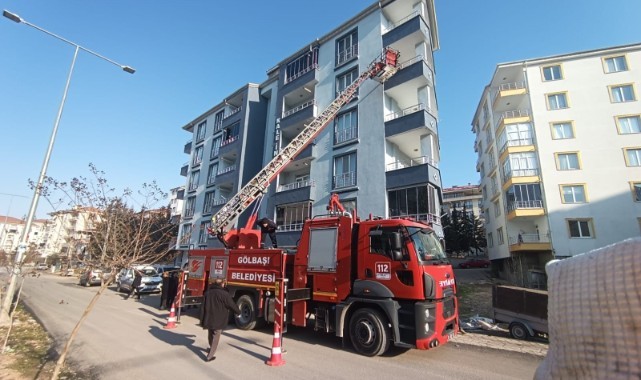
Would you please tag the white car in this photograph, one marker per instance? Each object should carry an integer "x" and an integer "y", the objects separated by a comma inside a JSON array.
[{"x": 151, "y": 281}]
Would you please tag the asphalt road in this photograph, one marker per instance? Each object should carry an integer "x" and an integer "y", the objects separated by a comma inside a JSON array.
[{"x": 125, "y": 339}]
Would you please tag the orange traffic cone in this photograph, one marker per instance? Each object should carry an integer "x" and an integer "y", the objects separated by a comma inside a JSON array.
[
  {"x": 171, "y": 321},
  {"x": 277, "y": 355}
]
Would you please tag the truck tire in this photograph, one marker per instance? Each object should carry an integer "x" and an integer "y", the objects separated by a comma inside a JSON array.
[
  {"x": 369, "y": 332},
  {"x": 519, "y": 331},
  {"x": 247, "y": 319}
]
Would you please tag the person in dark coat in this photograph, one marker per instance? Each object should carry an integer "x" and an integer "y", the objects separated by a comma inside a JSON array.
[
  {"x": 172, "y": 291},
  {"x": 268, "y": 227},
  {"x": 215, "y": 314},
  {"x": 135, "y": 284},
  {"x": 164, "y": 290}
]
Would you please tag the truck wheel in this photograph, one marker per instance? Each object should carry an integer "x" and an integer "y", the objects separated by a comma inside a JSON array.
[
  {"x": 369, "y": 333},
  {"x": 518, "y": 331},
  {"x": 247, "y": 319}
]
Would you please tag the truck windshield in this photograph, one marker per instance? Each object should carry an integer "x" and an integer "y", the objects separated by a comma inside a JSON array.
[{"x": 427, "y": 246}]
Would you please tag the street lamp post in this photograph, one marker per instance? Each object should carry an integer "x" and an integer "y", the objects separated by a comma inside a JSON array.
[{"x": 6, "y": 305}]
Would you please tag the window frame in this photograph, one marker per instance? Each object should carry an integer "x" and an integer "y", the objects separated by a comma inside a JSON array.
[
  {"x": 590, "y": 225},
  {"x": 353, "y": 157},
  {"x": 636, "y": 195},
  {"x": 558, "y": 161},
  {"x": 490, "y": 240},
  {"x": 353, "y": 115},
  {"x": 500, "y": 236},
  {"x": 352, "y": 35},
  {"x": 201, "y": 131},
  {"x": 612, "y": 87},
  {"x": 552, "y": 79},
  {"x": 554, "y": 94},
  {"x": 612, "y": 57},
  {"x": 567, "y": 122},
  {"x": 208, "y": 202},
  {"x": 353, "y": 72},
  {"x": 617, "y": 120},
  {"x": 626, "y": 158},
  {"x": 573, "y": 185},
  {"x": 203, "y": 235}
]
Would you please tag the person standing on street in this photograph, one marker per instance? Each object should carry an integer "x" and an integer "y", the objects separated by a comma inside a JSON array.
[
  {"x": 215, "y": 314},
  {"x": 135, "y": 284}
]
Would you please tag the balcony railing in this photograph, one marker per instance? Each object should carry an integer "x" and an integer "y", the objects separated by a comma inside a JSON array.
[
  {"x": 299, "y": 108},
  {"x": 402, "y": 164},
  {"x": 407, "y": 111},
  {"x": 428, "y": 218},
  {"x": 347, "y": 54},
  {"x": 521, "y": 173},
  {"x": 232, "y": 112},
  {"x": 510, "y": 115},
  {"x": 220, "y": 201},
  {"x": 518, "y": 205},
  {"x": 512, "y": 86},
  {"x": 229, "y": 140},
  {"x": 345, "y": 135},
  {"x": 394, "y": 25},
  {"x": 291, "y": 227},
  {"x": 345, "y": 180},
  {"x": 294, "y": 185},
  {"x": 226, "y": 170},
  {"x": 301, "y": 73},
  {"x": 529, "y": 238},
  {"x": 519, "y": 142}
]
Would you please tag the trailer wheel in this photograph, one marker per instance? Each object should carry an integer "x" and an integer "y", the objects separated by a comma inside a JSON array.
[
  {"x": 247, "y": 319},
  {"x": 369, "y": 332},
  {"x": 519, "y": 331}
]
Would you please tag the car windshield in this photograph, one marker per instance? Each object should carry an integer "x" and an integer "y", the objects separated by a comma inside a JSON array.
[
  {"x": 427, "y": 244},
  {"x": 149, "y": 272}
]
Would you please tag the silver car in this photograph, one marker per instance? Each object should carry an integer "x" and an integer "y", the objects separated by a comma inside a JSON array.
[{"x": 151, "y": 281}]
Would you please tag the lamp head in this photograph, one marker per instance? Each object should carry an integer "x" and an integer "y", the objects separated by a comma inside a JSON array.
[
  {"x": 128, "y": 69},
  {"x": 11, "y": 16}
]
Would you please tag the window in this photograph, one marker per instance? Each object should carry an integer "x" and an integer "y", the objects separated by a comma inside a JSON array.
[
  {"x": 215, "y": 147},
  {"x": 218, "y": 120},
  {"x": 636, "y": 191},
  {"x": 208, "y": 207},
  {"x": 499, "y": 235},
  {"x": 193, "y": 180},
  {"x": 346, "y": 48},
  {"x": 290, "y": 217},
  {"x": 185, "y": 234},
  {"x": 490, "y": 240},
  {"x": 198, "y": 156},
  {"x": 301, "y": 65},
  {"x": 412, "y": 201},
  {"x": 567, "y": 161},
  {"x": 552, "y": 73},
  {"x": 580, "y": 228},
  {"x": 344, "y": 80},
  {"x": 211, "y": 174},
  {"x": 204, "y": 233},
  {"x": 524, "y": 196},
  {"x": 573, "y": 193},
  {"x": 230, "y": 133},
  {"x": 622, "y": 93},
  {"x": 632, "y": 156},
  {"x": 615, "y": 64},
  {"x": 345, "y": 171},
  {"x": 190, "y": 207},
  {"x": 487, "y": 215},
  {"x": 497, "y": 209},
  {"x": 628, "y": 124},
  {"x": 520, "y": 165},
  {"x": 201, "y": 131},
  {"x": 557, "y": 101},
  {"x": 562, "y": 130},
  {"x": 346, "y": 127}
]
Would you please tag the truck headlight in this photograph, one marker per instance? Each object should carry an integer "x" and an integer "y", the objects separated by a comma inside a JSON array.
[
  {"x": 427, "y": 313},
  {"x": 427, "y": 327}
]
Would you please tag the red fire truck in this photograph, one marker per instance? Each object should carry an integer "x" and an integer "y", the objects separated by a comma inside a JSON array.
[{"x": 373, "y": 282}]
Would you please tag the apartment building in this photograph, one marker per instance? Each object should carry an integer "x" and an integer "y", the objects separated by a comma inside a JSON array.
[
  {"x": 468, "y": 198},
  {"x": 380, "y": 153},
  {"x": 559, "y": 155},
  {"x": 11, "y": 229},
  {"x": 69, "y": 231}
]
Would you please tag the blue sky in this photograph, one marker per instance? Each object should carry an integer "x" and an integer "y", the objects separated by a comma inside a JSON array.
[{"x": 189, "y": 54}]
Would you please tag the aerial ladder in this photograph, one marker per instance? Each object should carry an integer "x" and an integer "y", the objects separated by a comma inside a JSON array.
[{"x": 381, "y": 69}]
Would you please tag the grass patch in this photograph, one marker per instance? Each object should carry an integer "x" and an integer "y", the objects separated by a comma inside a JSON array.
[{"x": 475, "y": 299}]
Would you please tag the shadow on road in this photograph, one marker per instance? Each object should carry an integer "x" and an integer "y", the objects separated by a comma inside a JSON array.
[{"x": 176, "y": 339}]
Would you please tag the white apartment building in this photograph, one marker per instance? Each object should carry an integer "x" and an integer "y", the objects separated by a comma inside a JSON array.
[
  {"x": 468, "y": 198},
  {"x": 380, "y": 153},
  {"x": 11, "y": 229},
  {"x": 559, "y": 155},
  {"x": 70, "y": 230}
]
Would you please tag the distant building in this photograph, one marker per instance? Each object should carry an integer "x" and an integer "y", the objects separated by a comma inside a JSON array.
[
  {"x": 559, "y": 155},
  {"x": 11, "y": 230},
  {"x": 176, "y": 196},
  {"x": 468, "y": 198},
  {"x": 69, "y": 231}
]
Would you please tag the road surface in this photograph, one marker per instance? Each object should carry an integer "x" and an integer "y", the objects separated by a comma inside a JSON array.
[{"x": 126, "y": 339}]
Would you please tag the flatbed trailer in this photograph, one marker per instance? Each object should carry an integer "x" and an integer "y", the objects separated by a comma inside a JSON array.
[{"x": 523, "y": 309}]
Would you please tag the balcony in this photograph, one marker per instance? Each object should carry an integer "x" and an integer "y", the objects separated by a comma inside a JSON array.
[
  {"x": 292, "y": 193},
  {"x": 520, "y": 176},
  {"x": 294, "y": 119},
  {"x": 524, "y": 209},
  {"x": 506, "y": 91},
  {"x": 228, "y": 148},
  {"x": 232, "y": 116},
  {"x": 226, "y": 176},
  {"x": 516, "y": 146},
  {"x": 407, "y": 31},
  {"x": 415, "y": 171},
  {"x": 410, "y": 118},
  {"x": 512, "y": 117},
  {"x": 187, "y": 148},
  {"x": 416, "y": 73},
  {"x": 184, "y": 169},
  {"x": 530, "y": 242},
  {"x": 307, "y": 77}
]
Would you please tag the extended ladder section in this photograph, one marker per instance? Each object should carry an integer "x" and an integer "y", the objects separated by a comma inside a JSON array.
[{"x": 380, "y": 69}]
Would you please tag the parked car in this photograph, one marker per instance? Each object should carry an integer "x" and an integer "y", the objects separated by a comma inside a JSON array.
[
  {"x": 41, "y": 266},
  {"x": 91, "y": 276},
  {"x": 151, "y": 281},
  {"x": 165, "y": 268},
  {"x": 475, "y": 263}
]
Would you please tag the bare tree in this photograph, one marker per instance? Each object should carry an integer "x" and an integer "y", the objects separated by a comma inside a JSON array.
[{"x": 121, "y": 230}]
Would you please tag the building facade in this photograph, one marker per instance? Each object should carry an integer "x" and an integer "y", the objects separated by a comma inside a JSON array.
[
  {"x": 11, "y": 230},
  {"x": 69, "y": 231},
  {"x": 380, "y": 153},
  {"x": 559, "y": 155},
  {"x": 460, "y": 198}
]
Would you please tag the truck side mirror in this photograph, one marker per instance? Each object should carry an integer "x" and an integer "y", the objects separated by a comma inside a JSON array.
[{"x": 396, "y": 245}]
